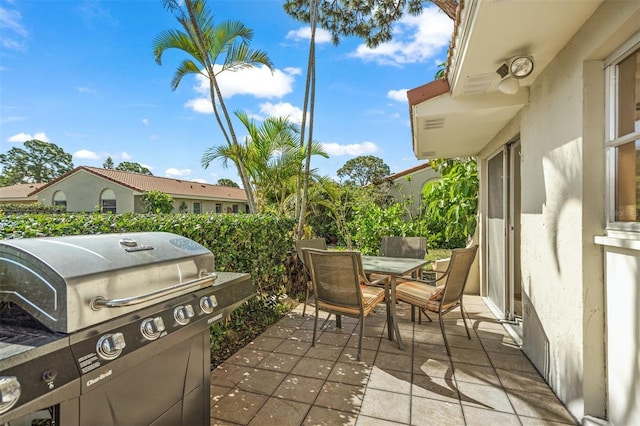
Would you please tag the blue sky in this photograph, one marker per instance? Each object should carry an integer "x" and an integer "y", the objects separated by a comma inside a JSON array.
[{"x": 81, "y": 74}]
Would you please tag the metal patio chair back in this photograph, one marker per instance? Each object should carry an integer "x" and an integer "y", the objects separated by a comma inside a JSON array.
[
  {"x": 341, "y": 288},
  {"x": 413, "y": 247},
  {"x": 316, "y": 243}
]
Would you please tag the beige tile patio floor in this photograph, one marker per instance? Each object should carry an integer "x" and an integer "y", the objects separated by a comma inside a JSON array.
[{"x": 280, "y": 379}]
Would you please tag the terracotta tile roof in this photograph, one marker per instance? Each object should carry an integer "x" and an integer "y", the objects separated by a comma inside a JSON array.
[
  {"x": 398, "y": 175},
  {"x": 175, "y": 187},
  {"x": 19, "y": 192},
  {"x": 408, "y": 171}
]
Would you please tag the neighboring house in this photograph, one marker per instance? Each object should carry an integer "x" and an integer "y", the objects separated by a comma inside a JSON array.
[
  {"x": 559, "y": 228},
  {"x": 409, "y": 184},
  {"x": 89, "y": 189},
  {"x": 19, "y": 194}
]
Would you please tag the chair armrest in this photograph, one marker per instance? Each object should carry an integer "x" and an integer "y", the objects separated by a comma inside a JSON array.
[
  {"x": 379, "y": 280},
  {"x": 419, "y": 280}
]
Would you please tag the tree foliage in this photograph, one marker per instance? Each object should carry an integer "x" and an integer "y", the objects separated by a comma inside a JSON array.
[
  {"x": 108, "y": 164},
  {"x": 370, "y": 20},
  {"x": 207, "y": 43},
  {"x": 37, "y": 162},
  {"x": 127, "y": 166},
  {"x": 364, "y": 170},
  {"x": 451, "y": 202},
  {"x": 227, "y": 182},
  {"x": 157, "y": 202},
  {"x": 272, "y": 157}
]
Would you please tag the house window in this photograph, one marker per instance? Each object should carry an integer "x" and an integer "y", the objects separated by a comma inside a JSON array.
[
  {"x": 60, "y": 199},
  {"x": 108, "y": 201},
  {"x": 218, "y": 208},
  {"x": 197, "y": 208},
  {"x": 623, "y": 142},
  {"x": 235, "y": 208},
  {"x": 246, "y": 208}
]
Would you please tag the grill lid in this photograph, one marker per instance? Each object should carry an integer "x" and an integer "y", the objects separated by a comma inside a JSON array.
[{"x": 70, "y": 283}]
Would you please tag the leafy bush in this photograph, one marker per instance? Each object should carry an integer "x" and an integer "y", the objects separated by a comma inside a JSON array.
[
  {"x": 157, "y": 202},
  {"x": 30, "y": 208},
  {"x": 452, "y": 202}
]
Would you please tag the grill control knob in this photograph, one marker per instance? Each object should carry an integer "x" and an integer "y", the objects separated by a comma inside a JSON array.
[
  {"x": 151, "y": 328},
  {"x": 10, "y": 391},
  {"x": 110, "y": 346},
  {"x": 208, "y": 304},
  {"x": 183, "y": 314}
]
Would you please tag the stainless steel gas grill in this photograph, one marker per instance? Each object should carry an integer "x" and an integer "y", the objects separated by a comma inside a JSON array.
[{"x": 110, "y": 329}]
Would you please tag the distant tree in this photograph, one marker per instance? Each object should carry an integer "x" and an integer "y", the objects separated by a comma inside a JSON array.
[
  {"x": 364, "y": 170},
  {"x": 37, "y": 162},
  {"x": 227, "y": 182},
  {"x": 108, "y": 163},
  {"x": 157, "y": 202},
  {"x": 127, "y": 166}
]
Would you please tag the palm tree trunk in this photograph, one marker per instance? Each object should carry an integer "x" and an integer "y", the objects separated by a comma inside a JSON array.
[{"x": 310, "y": 87}]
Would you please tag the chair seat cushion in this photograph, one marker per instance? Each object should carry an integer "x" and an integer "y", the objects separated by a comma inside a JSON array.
[
  {"x": 421, "y": 295},
  {"x": 371, "y": 296}
]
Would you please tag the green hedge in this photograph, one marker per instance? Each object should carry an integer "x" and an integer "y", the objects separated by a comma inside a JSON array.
[
  {"x": 256, "y": 244},
  {"x": 31, "y": 208}
]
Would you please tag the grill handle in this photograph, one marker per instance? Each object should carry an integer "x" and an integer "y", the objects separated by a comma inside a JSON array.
[{"x": 100, "y": 302}]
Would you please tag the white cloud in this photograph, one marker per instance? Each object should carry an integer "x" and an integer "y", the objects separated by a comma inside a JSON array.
[
  {"x": 145, "y": 121},
  {"x": 172, "y": 172},
  {"x": 258, "y": 81},
  {"x": 23, "y": 137},
  {"x": 86, "y": 155},
  {"x": 304, "y": 33},
  {"x": 416, "y": 39},
  {"x": 282, "y": 109},
  {"x": 199, "y": 180},
  {"x": 85, "y": 90},
  {"x": 14, "y": 34},
  {"x": 352, "y": 149},
  {"x": 201, "y": 105},
  {"x": 124, "y": 155},
  {"x": 398, "y": 95}
]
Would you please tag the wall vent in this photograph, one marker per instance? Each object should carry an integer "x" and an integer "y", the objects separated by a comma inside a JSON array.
[
  {"x": 433, "y": 123},
  {"x": 426, "y": 154},
  {"x": 478, "y": 84}
]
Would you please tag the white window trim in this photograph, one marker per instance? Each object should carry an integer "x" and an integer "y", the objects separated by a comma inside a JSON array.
[{"x": 615, "y": 228}]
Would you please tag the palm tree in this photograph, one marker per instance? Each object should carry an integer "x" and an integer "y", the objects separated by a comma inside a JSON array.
[
  {"x": 206, "y": 43},
  {"x": 309, "y": 101},
  {"x": 272, "y": 156}
]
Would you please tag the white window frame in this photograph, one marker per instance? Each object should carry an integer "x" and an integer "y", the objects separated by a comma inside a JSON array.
[
  {"x": 616, "y": 228},
  {"x": 60, "y": 199},
  {"x": 108, "y": 201}
]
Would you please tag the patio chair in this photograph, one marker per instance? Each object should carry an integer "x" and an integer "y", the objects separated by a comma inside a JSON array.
[
  {"x": 411, "y": 247},
  {"x": 341, "y": 287},
  {"x": 316, "y": 243},
  {"x": 445, "y": 298}
]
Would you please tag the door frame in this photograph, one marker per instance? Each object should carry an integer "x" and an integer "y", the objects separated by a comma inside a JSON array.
[{"x": 506, "y": 310}]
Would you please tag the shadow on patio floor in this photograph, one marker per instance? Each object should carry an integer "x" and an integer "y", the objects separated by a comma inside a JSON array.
[{"x": 280, "y": 379}]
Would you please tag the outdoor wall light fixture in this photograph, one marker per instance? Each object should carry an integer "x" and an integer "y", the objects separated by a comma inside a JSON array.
[{"x": 511, "y": 71}]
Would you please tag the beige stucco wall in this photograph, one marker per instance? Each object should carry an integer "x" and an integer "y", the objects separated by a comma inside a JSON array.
[
  {"x": 563, "y": 208},
  {"x": 412, "y": 185},
  {"x": 83, "y": 190},
  {"x": 207, "y": 206}
]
